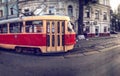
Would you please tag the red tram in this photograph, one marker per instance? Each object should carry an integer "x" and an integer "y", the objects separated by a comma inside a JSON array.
[{"x": 44, "y": 34}]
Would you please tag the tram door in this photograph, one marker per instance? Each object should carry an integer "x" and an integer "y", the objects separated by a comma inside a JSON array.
[{"x": 55, "y": 36}]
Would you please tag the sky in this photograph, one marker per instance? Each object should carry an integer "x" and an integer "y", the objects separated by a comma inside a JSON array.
[{"x": 114, "y": 4}]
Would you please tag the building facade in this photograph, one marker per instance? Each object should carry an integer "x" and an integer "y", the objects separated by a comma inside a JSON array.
[
  {"x": 115, "y": 20},
  {"x": 8, "y": 9},
  {"x": 97, "y": 18},
  {"x": 96, "y": 15},
  {"x": 56, "y": 7}
]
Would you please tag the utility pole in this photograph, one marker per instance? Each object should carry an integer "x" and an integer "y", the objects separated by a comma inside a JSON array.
[{"x": 80, "y": 18}]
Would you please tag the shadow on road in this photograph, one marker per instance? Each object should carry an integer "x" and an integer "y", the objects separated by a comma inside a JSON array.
[{"x": 2, "y": 50}]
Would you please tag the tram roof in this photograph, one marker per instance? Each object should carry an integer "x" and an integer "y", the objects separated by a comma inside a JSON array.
[{"x": 45, "y": 17}]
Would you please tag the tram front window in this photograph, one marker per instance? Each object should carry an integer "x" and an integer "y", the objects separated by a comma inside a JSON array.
[
  {"x": 70, "y": 27},
  {"x": 34, "y": 26}
]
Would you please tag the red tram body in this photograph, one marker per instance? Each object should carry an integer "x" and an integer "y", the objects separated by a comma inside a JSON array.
[{"x": 45, "y": 34}]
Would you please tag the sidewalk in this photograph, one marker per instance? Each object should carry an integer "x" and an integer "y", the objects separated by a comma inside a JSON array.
[{"x": 97, "y": 43}]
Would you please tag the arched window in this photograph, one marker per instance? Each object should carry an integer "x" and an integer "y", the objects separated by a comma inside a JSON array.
[
  {"x": 70, "y": 10},
  {"x": 97, "y": 13},
  {"x": 105, "y": 16}
]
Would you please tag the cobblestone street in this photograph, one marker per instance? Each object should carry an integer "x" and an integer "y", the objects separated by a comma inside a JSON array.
[{"x": 97, "y": 43}]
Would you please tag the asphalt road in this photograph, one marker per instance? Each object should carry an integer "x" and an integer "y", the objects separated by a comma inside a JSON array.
[{"x": 105, "y": 63}]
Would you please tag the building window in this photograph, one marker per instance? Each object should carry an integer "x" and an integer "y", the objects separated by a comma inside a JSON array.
[
  {"x": 105, "y": 16},
  {"x": 11, "y": 11},
  {"x": 1, "y": 13},
  {"x": 94, "y": 1},
  {"x": 97, "y": 12},
  {"x": 27, "y": 12},
  {"x": 51, "y": 10},
  {"x": 105, "y": 2},
  {"x": 105, "y": 29},
  {"x": 70, "y": 11},
  {"x": 87, "y": 29},
  {"x": 87, "y": 13}
]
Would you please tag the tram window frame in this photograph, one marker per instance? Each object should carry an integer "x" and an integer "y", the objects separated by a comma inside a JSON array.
[
  {"x": 34, "y": 27},
  {"x": 3, "y": 28},
  {"x": 16, "y": 27}
]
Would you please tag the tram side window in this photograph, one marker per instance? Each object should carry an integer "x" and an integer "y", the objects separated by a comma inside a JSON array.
[
  {"x": 48, "y": 27},
  {"x": 16, "y": 27},
  {"x": 3, "y": 28},
  {"x": 34, "y": 26},
  {"x": 53, "y": 27},
  {"x": 29, "y": 27},
  {"x": 58, "y": 27},
  {"x": 63, "y": 27},
  {"x": 39, "y": 26}
]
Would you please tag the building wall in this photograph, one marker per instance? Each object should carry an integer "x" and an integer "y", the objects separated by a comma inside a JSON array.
[
  {"x": 118, "y": 9},
  {"x": 8, "y": 6},
  {"x": 98, "y": 21},
  {"x": 57, "y": 7},
  {"x": 3, "y": 9},
  {"x": 94, "y": 22},
  {"x": 105, "y": 2}
]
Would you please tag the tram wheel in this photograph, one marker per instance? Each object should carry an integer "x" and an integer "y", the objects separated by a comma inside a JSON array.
[
  {"x": 18, "y": 49},
  {"x": 37, "y": 51}
]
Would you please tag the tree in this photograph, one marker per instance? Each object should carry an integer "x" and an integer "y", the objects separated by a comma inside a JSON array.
[{"x": 80, "y": 18}]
